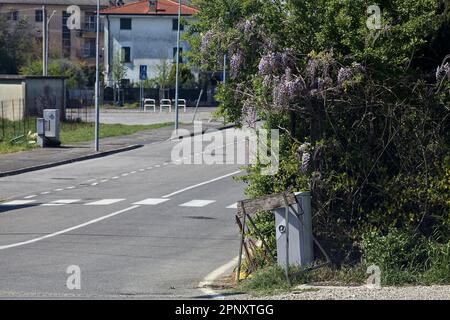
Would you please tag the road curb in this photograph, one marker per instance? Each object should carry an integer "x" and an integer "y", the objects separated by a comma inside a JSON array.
[{"x": 63, "y": 162}]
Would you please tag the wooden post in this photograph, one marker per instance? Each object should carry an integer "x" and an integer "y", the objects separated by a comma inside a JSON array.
[{"x": 238, "y": 272}]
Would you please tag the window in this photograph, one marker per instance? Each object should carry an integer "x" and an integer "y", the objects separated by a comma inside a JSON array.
[
  {"x": 175, "y": 25},
  {"x": 89, "y": 49},
  {"x": 13, "y": 15},
  {"x": 125, "y": 24},
  {"x": 126, "y": 54},
  {"x": 90, "y": 22},
  {"x": 38, "y": 16},
  {"x": 175, "y": 55}
]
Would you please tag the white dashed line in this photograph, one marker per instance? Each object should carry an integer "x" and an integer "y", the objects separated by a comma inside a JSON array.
[
  {"x": 58, "y": 190},
  {"x": 71, "y": 187},
  {"x": 133, "y": 172},
  {"x": 45, "y": 192},
  {"x": 94, "y": 184},
  {"x": 151, "y": 202},
  {"x": 114, "y": 178},
  {"x": 197, "y": 203},
  {"x": 103, "y": 202},
  {"x": 29, "y": 197},
  {"x": 104, "y": 180},
  {"x": 124, "y": 174}
]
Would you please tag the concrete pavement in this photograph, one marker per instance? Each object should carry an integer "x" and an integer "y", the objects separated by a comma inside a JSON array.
[{"x": 137, "y": 225}]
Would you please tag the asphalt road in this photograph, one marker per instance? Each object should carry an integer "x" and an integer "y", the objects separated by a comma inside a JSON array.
[{"x": 136, "y": 224}]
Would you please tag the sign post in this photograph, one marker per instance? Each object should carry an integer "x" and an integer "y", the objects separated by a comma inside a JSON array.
[{"x": 142, "y": 76}]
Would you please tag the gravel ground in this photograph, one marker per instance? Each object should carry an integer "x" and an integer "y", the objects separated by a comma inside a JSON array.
[{"x": 306, "y": 292}]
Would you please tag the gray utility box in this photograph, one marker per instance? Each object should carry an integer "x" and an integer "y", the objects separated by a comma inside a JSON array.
[
  {"x": 299, "y": 232},
  {"x": 48, "y": 128}
]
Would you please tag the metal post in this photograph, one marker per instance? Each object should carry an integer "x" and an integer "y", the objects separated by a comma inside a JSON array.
[
  {"x": 287, "y": 244},
  {"x": 224, "y": 69},
  {"x": 178, "y": 66},
  {"x": 97, "y": 79},
  {"x": 44, "y": 41}
]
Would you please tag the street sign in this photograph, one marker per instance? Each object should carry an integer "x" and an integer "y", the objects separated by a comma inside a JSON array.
[{"x": 143, "y": 72}]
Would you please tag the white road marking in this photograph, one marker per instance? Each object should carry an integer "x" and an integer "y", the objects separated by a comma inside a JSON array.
[
  {"x": 29, "y": 197},
  {"x": 197, "y": 203},
  {"x": 140, "y": 170},
  {"x": 104, "y": 180},
  {"x": 103, "y": 202},
  {"x": 94, "y": 184},
  {"x": 233, "y": 206},
  {"x": 151, "y": 202},
  {"x": 157, "y": 166},
  {"x": 205, "y": 284},
  {"x": 133, "y": 172},
  {"x": 124, "y": 174},
  {"x": 57, "y": 190},
  {"x": 202, "y": 184},
  {"x": 18, "y": 244},
  {"x": 114, "y": 178},
  {"x": 91, "y": 180},
  {"x": 60, "y": 202},
  {"x": 71, "y": 187},
  {"x": 149, "y": 168},
  {"x": 45, "y": 192},
  {"x": 17, "y": 203}
]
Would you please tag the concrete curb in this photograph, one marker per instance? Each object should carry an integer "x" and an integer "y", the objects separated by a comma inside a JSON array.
[
  {"x": 193, "y": 134},
  {"x": 78, "y": 159}
]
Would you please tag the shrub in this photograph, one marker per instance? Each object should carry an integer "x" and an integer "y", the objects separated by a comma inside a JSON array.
[{"x": 405, "y": 257}]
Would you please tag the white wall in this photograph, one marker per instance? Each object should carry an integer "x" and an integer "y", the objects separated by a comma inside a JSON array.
[{"x": 151, "y": 40}]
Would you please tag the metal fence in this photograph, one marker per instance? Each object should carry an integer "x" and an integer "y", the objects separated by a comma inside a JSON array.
[{"x": 14, "y": 120}]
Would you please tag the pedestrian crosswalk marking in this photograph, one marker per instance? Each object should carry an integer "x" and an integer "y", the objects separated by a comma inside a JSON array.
[
  {"x": 197, "y": 203},
  {"x": 61, "y": 202},
  {"x": 104, "y": 202},
  {"x": 17, "y": 203},
  {"x": 151, "y": 202}
]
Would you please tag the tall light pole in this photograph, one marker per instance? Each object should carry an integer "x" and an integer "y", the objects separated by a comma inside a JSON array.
[
  {"x": 178, "y": 66},
  {"x": 45, "y": 24},
  {"x": 97, "y": 80}
]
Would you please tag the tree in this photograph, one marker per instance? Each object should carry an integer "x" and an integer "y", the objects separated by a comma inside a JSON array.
[
  {"x": 16, "y": 41},
  {"x": 364, "y": 121},
  {"x": 76, "y": 77},
  {"x": 119, "y": 72}
]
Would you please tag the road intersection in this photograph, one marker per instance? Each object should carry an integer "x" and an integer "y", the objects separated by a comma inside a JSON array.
[{"x": 136, "y": 223}]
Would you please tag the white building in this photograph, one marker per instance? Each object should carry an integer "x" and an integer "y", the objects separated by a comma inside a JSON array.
[{"x": 142, "y": 34}]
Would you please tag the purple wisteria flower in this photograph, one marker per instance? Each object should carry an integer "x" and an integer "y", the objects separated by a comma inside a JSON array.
[
  {"x": 348, "y": 73},
  {"x": 287, "y": 90},
  {"x": 236, "y": 62},
  {"x": 442, "y": 72},
  {"x": 270, "y": 63},
  {"x": 207, "y": 39}
]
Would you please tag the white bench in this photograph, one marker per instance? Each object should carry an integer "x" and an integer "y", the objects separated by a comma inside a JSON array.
[
  {"x": 150, "y": 103},
  {"x": 181, "y": 103},
  {"x": 165, "y": 103}
]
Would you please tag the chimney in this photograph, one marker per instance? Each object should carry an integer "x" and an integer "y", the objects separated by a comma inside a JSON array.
[{"x": 153, "y": 6}]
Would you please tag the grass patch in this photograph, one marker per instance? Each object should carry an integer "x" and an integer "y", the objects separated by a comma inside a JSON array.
[
  {"x": 71, "y": 132},
  {"x": 80, "y": 132},
  {"x": 271, "y": 279}
]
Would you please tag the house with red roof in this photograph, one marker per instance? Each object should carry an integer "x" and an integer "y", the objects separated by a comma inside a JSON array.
[{"x": 142, "y": 35}]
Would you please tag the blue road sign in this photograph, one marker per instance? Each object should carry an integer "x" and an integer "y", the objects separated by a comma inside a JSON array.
[{"x": 143, "y": 72}]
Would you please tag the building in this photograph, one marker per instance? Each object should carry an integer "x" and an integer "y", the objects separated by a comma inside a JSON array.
[
  {"x": 63, "y": 42},
  {"x": 142, "y": 35},
  {"x": 28, "y": 96}
]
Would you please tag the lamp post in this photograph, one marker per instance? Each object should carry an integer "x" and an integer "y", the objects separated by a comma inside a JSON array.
[
  {"x": 97, "y": 79},
  {"x": 45, "y": 24},
  {"x": 177, "y": 66}
]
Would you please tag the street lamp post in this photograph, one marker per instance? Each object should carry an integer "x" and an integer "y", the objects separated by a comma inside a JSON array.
[
  {"x": 177, "y": 66},
  {"x": 45, "y": 25},
  {"x": 97, "y": 79}
]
